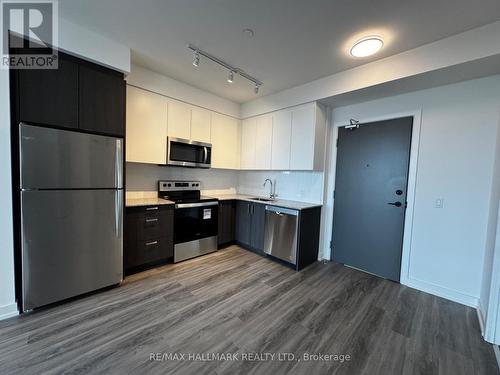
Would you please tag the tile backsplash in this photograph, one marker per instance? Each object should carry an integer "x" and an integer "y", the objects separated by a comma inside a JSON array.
[
  {"x": 144, "y": 177},
  {"x": 304, "y": 186}
]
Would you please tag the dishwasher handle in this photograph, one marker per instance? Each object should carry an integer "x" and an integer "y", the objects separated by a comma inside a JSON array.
[{"x": 280, "y": 211}]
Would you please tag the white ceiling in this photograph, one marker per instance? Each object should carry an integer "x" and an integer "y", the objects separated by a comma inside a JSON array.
[{"x": 296, "y": 41}]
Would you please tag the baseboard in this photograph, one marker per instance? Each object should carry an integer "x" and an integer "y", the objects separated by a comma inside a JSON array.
[
  {"x": 443, "y": 292},
  {"x": 481, "y": 317},
  {"x": 8, "y": 311}
]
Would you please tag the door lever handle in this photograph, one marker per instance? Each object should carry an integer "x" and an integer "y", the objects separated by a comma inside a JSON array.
[{"x": 397, "y": 204}]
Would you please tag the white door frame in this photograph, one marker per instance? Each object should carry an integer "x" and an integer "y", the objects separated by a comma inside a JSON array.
[
  {"x": 492, "y": 327},
  {"x": 412, "y": 177}
]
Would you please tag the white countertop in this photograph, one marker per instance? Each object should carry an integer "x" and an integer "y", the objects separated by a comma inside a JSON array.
[
  {"x": 136, "y": 202},
  {"x": 278, "y": 202},
  {"x": 154, "y": 201}
]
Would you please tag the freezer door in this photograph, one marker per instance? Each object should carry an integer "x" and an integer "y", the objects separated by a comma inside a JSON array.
[
  {"x": 71, "y": 243},
  {"x": 63, "y": 159}
]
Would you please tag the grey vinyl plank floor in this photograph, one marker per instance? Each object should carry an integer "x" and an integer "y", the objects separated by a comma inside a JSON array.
[{"x": 234, "y": 301}]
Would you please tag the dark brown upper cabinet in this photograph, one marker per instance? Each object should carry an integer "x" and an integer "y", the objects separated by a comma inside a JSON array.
[
  {"x": 102, "y": 100},
  {"x": 49, "y": 96}
]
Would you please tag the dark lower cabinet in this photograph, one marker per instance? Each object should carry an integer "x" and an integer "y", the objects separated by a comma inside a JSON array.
[
  {"x": 258, "y": 226},
  {"x": 308, "y": 237},
  {"x": 243, "y": 222},
  {"x": 101, "y": 100},
  {"x": 227, "y": 212},
  {"x": 49, "y": 96},
  {"x": 153, "y": 251},
  {"x": 148, "y": 237},
  {"x": 250, "y": 225}
]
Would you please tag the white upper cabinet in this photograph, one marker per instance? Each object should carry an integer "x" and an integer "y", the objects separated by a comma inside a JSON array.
[
  {"x": 248, "y": 138},
  {"x": 307, "y": 146},
  {"x": 290, "y": 139},
  {"x": 188, "y": 122},
  {"x": 263, "y": 142},
  {"x": 225, "y": 139},
  {"x": 200, "y": 125},
  {"x": 146, "y": 127},
  {"x": 179, "y": 119},
  {"x": 282, "y": 136},
  {"x": 256, "y": 141},
  {"x": 302, "y": 141}
]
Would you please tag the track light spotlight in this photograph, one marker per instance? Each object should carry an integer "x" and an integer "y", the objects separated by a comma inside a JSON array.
[
  {"x": 196, "y": 58},
  {"x": 256, "y": 88},
  {"x": 230, "y": 77}
]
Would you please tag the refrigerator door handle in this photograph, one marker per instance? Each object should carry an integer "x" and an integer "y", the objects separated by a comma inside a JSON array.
[
  {"x": 118, "y": 212},
  {"x": 119, "y": 164}
]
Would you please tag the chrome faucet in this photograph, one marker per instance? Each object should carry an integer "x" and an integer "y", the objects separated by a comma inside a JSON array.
[{"x": 272, "y": 192}]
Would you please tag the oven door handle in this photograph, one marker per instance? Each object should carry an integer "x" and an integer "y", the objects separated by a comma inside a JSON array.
[{"x": 193, "y": 205}]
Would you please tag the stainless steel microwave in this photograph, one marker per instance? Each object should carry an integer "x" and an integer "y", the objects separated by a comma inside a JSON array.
[{"x": 186, "y": 153}]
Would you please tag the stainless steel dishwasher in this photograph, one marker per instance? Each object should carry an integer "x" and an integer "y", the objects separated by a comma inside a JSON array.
[{"x": 281, "y": 230}]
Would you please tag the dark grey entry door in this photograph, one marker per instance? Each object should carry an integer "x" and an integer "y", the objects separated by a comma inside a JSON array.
[{"x": 370, "y": 196}]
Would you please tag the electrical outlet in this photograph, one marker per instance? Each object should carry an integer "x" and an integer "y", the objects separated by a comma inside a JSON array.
[{"x": 439, "y": 202}]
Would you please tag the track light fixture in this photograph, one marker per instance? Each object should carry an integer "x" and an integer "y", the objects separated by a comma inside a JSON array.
[
  {"x": 230, "y": 77},
  {"x": 232, "y": 70},
  {"x": 196, "y": 58}
]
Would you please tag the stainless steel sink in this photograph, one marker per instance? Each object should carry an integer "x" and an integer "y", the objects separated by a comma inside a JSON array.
[{"x": 262, "y": 199}]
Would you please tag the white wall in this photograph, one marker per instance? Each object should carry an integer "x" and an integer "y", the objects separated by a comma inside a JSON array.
[
  {"x": 172, "y": 88},
  {"x": 89, "y": 45},
  {"x": 81, "y": 42},
  {"x": 7, "y": 296},
  {"x": 455, "y": 162}
]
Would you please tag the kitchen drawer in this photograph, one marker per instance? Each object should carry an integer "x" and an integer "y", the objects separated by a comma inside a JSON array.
[
  {"x": 150, "y": 251},
  {"x": 155, "y": 224},
  {"x": 148, "y": 236}
]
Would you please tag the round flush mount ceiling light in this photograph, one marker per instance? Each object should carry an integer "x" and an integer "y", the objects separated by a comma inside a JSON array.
[{"x": 367, "y": 46}]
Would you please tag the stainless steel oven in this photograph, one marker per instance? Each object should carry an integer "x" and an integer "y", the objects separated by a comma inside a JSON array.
[
  {"x": 186, "y": 153},
  {"x": 195, "y": 229},
  {"x": 195, "y": 218}
]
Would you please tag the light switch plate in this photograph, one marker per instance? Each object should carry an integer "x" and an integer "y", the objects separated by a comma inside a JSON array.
[{"x": 439, "y": 203}]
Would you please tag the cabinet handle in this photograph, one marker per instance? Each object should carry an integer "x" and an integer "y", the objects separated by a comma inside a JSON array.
[
  {"x": 151, "y": 208},
  {"x": 151, "y": 243},
  {"x": 151, "y": 220}
]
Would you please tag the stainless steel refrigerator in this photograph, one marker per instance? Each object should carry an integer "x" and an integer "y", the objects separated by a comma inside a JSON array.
[{"x": 71, "y": 213}]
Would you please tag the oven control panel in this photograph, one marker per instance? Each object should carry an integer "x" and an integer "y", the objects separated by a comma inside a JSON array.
[{"x": 178, "y": 185}]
